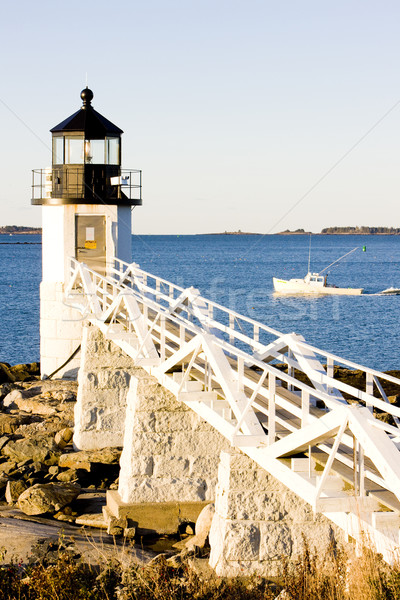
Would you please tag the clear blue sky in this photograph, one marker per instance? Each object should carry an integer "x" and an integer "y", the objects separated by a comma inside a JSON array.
[{"x": 233, "y": 109}]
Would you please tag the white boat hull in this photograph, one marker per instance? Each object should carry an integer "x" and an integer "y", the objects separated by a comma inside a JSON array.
[{"x": 300, "y": 286}]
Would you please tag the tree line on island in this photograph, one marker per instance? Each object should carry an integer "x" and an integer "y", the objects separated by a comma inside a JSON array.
[
  {"x": 19, "y": 229},
  {"x": 363, "y": 230}
]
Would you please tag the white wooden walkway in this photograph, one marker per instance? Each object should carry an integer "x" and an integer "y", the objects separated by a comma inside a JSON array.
[{"x": 332, "y": 452}]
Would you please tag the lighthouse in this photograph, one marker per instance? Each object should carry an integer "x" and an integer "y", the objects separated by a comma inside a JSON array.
[{"x": 86, "y": 199}]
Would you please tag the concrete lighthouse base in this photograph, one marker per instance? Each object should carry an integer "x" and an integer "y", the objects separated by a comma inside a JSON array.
[{"x": 60, "y": 332}]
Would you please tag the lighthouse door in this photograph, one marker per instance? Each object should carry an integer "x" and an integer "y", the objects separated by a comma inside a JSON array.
[{"x": 90, "y": 236}]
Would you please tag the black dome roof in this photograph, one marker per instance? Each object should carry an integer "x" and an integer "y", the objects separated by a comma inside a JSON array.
[{"x": 88, "y": 120}]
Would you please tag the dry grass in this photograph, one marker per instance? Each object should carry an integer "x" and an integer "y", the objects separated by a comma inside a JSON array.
[{"x": 64, "y": 578}]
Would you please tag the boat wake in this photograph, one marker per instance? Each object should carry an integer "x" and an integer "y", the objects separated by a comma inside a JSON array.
[{"x": 388, "y": 292}]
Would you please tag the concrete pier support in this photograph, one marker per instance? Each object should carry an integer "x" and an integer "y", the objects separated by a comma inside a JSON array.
[
  {"x": 170, "y": 453},
  {"x": 169, "y": 461},
  {"x": 258, "y": 520},
  {"x": 103, "y": 383}
]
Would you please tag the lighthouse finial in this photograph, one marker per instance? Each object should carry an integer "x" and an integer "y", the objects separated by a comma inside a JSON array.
[{"x": 87, "y": 97}]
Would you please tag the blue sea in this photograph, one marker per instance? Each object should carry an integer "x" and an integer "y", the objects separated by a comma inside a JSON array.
[{"x": 237, "y": 271}]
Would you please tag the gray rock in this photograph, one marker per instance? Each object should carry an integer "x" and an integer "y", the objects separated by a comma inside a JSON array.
[
  {"x": 40, "y": 449},
  {"x": 68, "y": 475},
  {"x": 36, "y": 399},
  {"x": 3, "y": 441},
  {"x": 7, "y": 467},
  {"x": 14, "y": 489},
  {"x": 63, "y": 437},
  {"x": 6, "y": 375},
  {"x": 5, "y": 388},
  {"x": 47, "y": 497},
  {"x": 203, "y": 526},
  {"x": 85, "y": 458},
  {"x": 9, "y": 423},
  {"x": 10, "y": 401}
]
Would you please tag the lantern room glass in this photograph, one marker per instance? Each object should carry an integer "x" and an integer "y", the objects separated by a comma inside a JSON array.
[
  {"x": 95, "y": 152},
  {"x": 74, "y": 151},
  {"x": 58, "y": 150},
  {"x": 113, "y": 151}
]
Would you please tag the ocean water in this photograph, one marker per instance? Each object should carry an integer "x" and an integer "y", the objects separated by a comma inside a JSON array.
[{"x": 237, "y": 271}]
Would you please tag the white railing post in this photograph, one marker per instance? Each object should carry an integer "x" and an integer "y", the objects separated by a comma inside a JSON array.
[
  {"x": 369, "y": 388},
  {"x": 290, "y": 370},
  {"x": 162, "y": 338},
  {"x": 181, "y": 335},
  {"x": 355, "y": 461},
  {"x": 158, "y": 289},
  {"x": 361, "y": 471},
  {"x": 271, "y": 408},
  {"x": 256, "y": 333},
  {"x": 305, "y": 407},
  {"x": 330, "y": 371},
  {"x": 231, "y": 326}
]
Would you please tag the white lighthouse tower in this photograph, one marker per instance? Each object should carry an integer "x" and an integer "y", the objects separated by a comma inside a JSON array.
[{"x": 86, "y": 201}]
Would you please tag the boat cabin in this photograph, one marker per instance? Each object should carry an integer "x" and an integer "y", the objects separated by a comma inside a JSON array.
[{"x": 315, "y": 279}]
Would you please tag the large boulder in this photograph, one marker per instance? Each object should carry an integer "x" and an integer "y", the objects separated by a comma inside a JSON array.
[
  {"x": 26, "y": 371},
  {"x": 9, "y": 423},
  {"x": 44, "y": 398},
  {"x": 6, "y": 375},
  {"x": 41, "y": 449},
  {"x": 203, "y": 526},
  {"x": 47, "y": 497},
  {"x": 85, "y": 459},
  {"x": 14, "y": 489},
  {"x": 34, "y": 404},
  {"x": 21, "y": 372}
]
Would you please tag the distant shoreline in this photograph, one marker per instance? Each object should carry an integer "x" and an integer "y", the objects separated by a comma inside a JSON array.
[
  {"x": 231, "y": 233},
  {"x": 20, "y": 230},
  {"x": 346, "y": 231}
]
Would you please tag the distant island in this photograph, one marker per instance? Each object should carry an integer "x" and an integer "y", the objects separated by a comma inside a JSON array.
[
  {"x": 19, "y": 229},
  {"x": 362, "y": 230},
  {"x": 238, "y": 232},
  {"x": 296, "y": 232},
  {"x": 346, "y": 230}
]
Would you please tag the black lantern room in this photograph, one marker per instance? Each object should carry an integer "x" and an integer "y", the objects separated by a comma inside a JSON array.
[{"x": 86, "y": 163}]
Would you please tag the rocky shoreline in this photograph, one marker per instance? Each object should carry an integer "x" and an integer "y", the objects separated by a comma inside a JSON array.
[{"x": 46, "y": 487}]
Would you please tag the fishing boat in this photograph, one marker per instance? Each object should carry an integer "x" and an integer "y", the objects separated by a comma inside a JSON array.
[{"x": 314, "y": 283}]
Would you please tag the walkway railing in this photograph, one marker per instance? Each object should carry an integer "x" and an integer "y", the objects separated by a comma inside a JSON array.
[{"x": 319, "y": 436}]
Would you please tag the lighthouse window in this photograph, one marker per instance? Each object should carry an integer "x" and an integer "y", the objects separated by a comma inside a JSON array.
[
  {"x": 58, "y": 150},
  {"x": 95, "y": 152},
  {"x": 73, "y": 151},
  {"x": 112, "y": 151}
]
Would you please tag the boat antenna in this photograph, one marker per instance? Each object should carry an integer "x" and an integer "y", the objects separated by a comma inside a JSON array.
[
  {"x": 309, "y": 255},
  {"x": 337, "y": 260}
]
